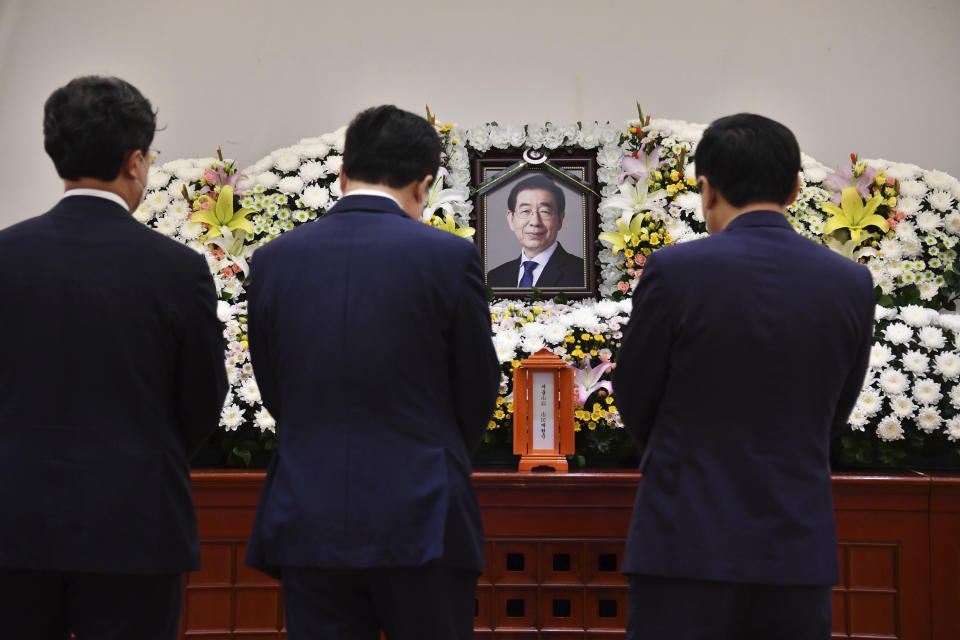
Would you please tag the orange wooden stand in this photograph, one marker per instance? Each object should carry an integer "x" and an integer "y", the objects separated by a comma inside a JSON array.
[{"x": 523, "y": 412}]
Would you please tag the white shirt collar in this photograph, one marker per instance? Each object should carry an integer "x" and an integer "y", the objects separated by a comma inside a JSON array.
[
  {"x": 541, "y": 258},
  {"x": 371, "y": 192},
  {"x": 97, "y": 193}
]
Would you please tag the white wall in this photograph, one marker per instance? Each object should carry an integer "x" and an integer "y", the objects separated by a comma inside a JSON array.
[{"x": 879, "y": 77}]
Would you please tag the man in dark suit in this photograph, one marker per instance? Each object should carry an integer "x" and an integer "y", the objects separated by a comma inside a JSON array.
[
  {"x": 370, "y": 340},
  {"x": 112, "y": 374},
  {"x": 744, "y": 353},
  {"x": 535, "y": 210}
]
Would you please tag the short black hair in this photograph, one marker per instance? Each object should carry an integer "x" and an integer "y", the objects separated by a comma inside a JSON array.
[
  {"x": 387, "y": 145},
  {"x": 538, "y": 181},
  {"x": 91, "y": 124},
  {"x": 749, "y": 158}
]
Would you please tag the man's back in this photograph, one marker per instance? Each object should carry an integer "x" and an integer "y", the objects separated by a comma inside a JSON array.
[
  {"x": 370, "y": 342},
  {"x": 112, "y": 373},
  {"x": 763, "y": 330}
]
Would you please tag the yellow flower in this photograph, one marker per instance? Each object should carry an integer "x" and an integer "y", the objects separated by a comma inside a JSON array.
[
  {"x": 879, "y": 180},
  {"x": 492, "y": 425},
  {"x": 454, "y": 141},
  {"x": 628, "y": 253},
  {"x": 655, "y": 239},
  {"x": 499, "y": 414},
  {"x": 514, "y": 363},
  {"x": 570, "y": 338},
  {"x": 888, "y": 191},
  {"x": 692, "y": 182},
  {"x": 892, "y": 202},
  {"x": 592, "y": 425},
  {"x": 671, "y": 189},
  {"x": 245, "y": 345},
  {"x": 594, "y": 352},
  {"x": 674, "y": 175},
  {"x": 632, "y": 129},
  {"x": 509, "y": 407},
  {"x": 854, "y": 214},
  {"x": 658, "y": 175},
  {"x": 609, "y": 399},
  {"x": 500, "y": 401},
  {"x": 585, "y": 336},
  {"x": 576, "y": 427},
  {"x": 537, "y": 309}
]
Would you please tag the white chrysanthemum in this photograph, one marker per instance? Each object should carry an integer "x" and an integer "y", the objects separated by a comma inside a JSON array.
[
  {"x": 191, "y": 230},
  {"x": 939, "y": 179},
  {"x": 333, "y": 164},
  {"x": 610, "y": 156},
  {"x": 286, "y": 160},
  {"x": 290, "y": 184},
  {"x": 952, "y": 223},
  {"x": 926, "y": 391},
  {"x": 315, "y": 150},
  {"x": 233, "y": 375},
  {"x": 532, "y": 344},
  {"x": 265, "y": 421},
  {"x": 190, "y": 174},
  {"x": 928, "y": 290},
  {"x": 869, "y": 402},
  {"x": 312, "y": 171},
  {"x": 932, "y": 338},
  {"x": 689, "y": 201},
  {"x": 890, "y": 429},
  {"x": 902, "y": 406},
  {"x": 509, "y": 338},
  {"x": 157, "y": 201},
  {"x": 898, "y": 333},
  {"x": 533, "y": 330},
  {"x": 940, "y": 200},
  {"x": 166, "y": 226},
  {"x": 883, "y": 313},
  {"x": 928, "y": 221},
  {"x": 143, "y": 214},
  {"x": 909, "y": 206},
  {"x": 585, "y": 318},
  {"x": 929, "y": 419},
  {"x": 949, "y": 321},
  {"x": 912, "y": 188},
  {"x": 953, "y": 428},
  {"x": 157, "y": 179},
  {"x": 814, "y": 174},
  {"x": 315, "y": 197},
  {"x": 916, "y": 362},
  {"x": 880, "y": 355},
  {"x": 224, "y": 311},
  {"x": 179, "y": 209},
  {"x": 893, "y": 382},
  {"x": 947, "y": 364},
  {"x": 268, "y": 180},
  {"x": 249, "y": 392},
  {"x": 954, "y": 396},
  {"x": 857, "y": 419},
  {"x": 555, "y": 333},
  {"x": 231, "y": 417},
  {"x": 607, "y": 308},
  {"x": 900, "y": 171},
  {"x": 917, "y": 316}
]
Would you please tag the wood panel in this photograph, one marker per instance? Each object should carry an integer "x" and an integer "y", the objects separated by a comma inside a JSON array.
[{"x": 555, "y": 545}]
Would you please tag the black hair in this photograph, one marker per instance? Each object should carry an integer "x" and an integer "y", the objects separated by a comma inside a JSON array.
[
  {"x": 91, "y": 124},
  {"x": 387, "y": 145},
  {"x": 749, "y": 158},
  {"x": 538, "y": 181}
]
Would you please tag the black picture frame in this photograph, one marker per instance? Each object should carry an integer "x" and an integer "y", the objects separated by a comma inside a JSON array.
[{"x": 498, "y": 245}]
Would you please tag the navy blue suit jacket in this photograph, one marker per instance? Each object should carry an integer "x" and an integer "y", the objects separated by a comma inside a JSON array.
[
  {"x": 562, "y": 270},
  {"x": 111, "y": 375},
  {"x": 370, "y": 340},
  {"x": 744, "y": 351}
]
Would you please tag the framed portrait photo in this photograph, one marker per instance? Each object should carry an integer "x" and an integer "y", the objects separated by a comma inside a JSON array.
[{"x": 536, "y": 223}]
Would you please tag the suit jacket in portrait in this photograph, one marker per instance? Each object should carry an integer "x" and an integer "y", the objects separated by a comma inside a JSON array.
[
  {"x": 562, "y": 270},
  {"x": 112, "y": 374},
  {"x": 744, "y": 352},
  {"x": 370, "y": 340}
]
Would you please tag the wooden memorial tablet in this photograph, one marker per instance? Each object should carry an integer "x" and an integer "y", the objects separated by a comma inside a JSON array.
[{"x": 543, "y": 403}]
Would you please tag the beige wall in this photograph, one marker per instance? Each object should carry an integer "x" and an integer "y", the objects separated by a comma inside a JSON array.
[{"x": 876, "y": 77}]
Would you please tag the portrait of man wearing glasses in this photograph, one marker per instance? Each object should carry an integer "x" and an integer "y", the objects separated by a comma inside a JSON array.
[{"x": 535, "y": 212}]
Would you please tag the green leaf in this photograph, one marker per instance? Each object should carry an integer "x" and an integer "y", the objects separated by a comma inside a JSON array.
[{"x": 242, "y": 454}]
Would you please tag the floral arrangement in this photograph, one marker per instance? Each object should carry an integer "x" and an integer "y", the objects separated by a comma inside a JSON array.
[
  {"x": 900, "y": 220},
  {"x": 911, "y": 398}
]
